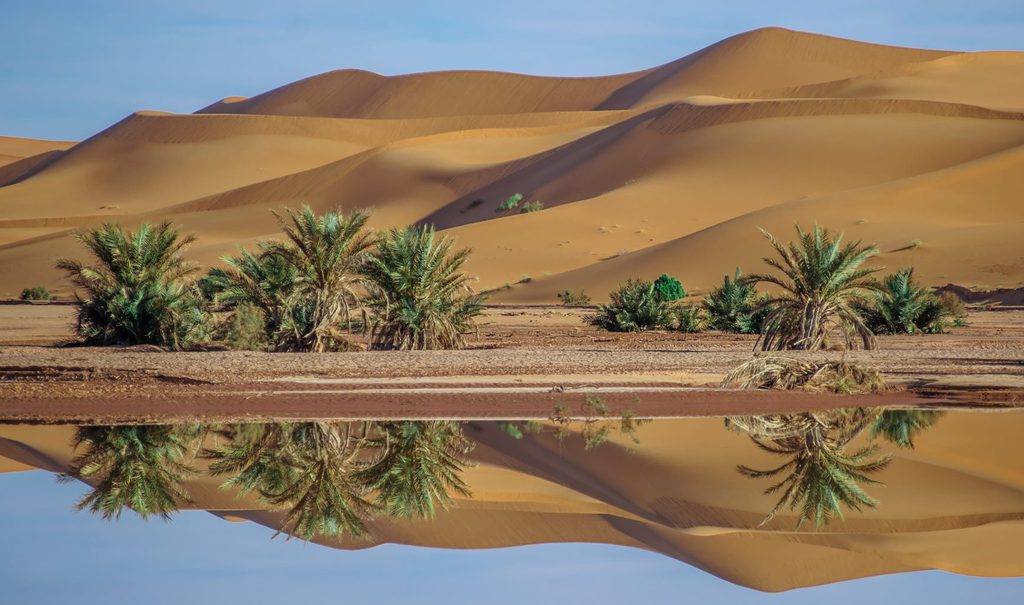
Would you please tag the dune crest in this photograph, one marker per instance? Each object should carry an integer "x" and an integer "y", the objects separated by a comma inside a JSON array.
[{"x": 639, "y": 173}]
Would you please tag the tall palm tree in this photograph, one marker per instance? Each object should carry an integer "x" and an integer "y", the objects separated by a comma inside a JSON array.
[
  {"x": 327, "y": 253},
  {"x": 820, "y": 476},
  {"x": 821, "y": 281},
  {"x": 902, "y": 306},
  {"x": 137, "y": 292},
  {"x": 136, "y": 467},
  {"x": 307, "y": 468},
  {"x": 419, "y": 297},
  {"x": 421, "y": 465}
]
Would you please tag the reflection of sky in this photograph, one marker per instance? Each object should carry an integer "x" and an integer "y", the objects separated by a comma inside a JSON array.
[
  {"x": 51, "y": 554},
  {"x": 69, "y": 69}
]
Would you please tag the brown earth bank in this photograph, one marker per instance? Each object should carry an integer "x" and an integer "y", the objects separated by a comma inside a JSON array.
[{"x": 524, "y": 361}]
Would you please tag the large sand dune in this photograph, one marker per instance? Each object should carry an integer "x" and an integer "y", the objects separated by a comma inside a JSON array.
[
  {"x": 670, "y": 169},
  {"x": 955, "y": 502}
]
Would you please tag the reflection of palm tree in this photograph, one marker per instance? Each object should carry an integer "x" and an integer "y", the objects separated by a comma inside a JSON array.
[
  {"x": 421, "y": 465},
  {"x": 137, "y": 467},
  {"x": 821, "y": 476},
  {"x": 305, "y": 466},
  {"x": 323, "y": 472}
]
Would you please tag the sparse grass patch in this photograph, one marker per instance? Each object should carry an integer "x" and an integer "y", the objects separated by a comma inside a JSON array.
[
  {"x": 574, "y": 298},
  {"x": 533, "y": 206}
]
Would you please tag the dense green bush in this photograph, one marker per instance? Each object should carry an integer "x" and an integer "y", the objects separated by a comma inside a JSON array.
[
  {"x": 734, "y": 306},
  {"x": 36, "y": 293},
  {"x": 690, "y": 318},
  {"x": 138, "y": 292},
  {"x": 669, "y": 288},
  {"x": 244, "y": 329},
  {"x": 634, "y": 307},
  {"x": 902, "y": 306}
]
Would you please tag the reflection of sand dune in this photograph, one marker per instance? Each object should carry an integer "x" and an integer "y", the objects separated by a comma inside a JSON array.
[
  {"x": 954, "y": 503},
  {"x": 652, "y": 169}
]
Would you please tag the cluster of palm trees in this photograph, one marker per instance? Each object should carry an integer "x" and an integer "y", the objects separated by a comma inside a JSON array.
[
  {"x": 327, "y": 477},
  {"x": 823, "y": 296},
  {"x": 408, "y": 284},
  {"x": 824, "y": 470}
]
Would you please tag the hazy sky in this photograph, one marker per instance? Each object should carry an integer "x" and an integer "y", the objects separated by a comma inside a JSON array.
[
  {"x": 70, "y": 68},
  {"x": 53, "y": 555}
]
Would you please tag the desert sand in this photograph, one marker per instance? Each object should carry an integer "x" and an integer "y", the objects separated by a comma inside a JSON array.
[
  {"x": 670, "y": 169},
  {"x": 954, "y": 502}
]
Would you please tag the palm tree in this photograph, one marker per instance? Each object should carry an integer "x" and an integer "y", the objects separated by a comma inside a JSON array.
[
  {"x": 902, "y": 306},
  {"x": 326, "y": 252},
  {"x": 731, "y": 306},
  {"x": 136, "y": 293},
  {"x": 419, "y": 297},
  {"x": 137, "y": 467},
  {"x": 421, "y": 466},
  {"x": 820, "y": 477},
  {"x": 821, "y": 281},
  {"x": 634, "y": 307},
  {"x": 308, "y": 468}
]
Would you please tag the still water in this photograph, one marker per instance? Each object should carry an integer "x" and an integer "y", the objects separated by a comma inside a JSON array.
[{"x": 597, "y": 508}]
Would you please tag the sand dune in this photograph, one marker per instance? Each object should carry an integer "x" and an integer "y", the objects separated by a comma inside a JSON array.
[
  {"x": 951, "y": 503},
  {"x": 670, "y": 169}
]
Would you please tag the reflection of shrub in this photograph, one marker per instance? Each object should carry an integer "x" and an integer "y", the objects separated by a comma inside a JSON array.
[
  {"x": 36, "y": 293},
  {"x": 669, "y": 288},
  {"x": 533, "y": 206},
  {"x": 634, "y": 307},
  {"x": 510, "y": 203},
  {"x": 574, "y": 298}
]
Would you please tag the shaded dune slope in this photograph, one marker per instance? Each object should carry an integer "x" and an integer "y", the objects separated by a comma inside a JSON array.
[
  {"x": 766, "y": 128},
  {"x": 949, "y": 504}
]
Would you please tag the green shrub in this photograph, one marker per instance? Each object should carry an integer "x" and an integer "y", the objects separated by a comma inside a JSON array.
[
  {"x": 690, "y": 319},
  {"x": 904, "y": 307},
  {"x": 634, "y": 307},
  {"x": 734, "y": 306},
  {"x": 36, "y": 293},
  {"x": 574, "y": 298},
  {"x": 669, "y": 288},
  {"x": 245, "y": 329},
  {"x": 510, "y": 203},
  {"x": 137, "y": 293},
  {"x": 533, "y": 206}
]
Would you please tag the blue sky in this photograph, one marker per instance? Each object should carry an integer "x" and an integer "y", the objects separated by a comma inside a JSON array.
[
  {"x": 70, "y": 68},
  {"x": 51, "y": 554}
]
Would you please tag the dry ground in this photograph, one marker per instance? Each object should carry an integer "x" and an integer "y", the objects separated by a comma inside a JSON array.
[{"x": 524, "y": 360}]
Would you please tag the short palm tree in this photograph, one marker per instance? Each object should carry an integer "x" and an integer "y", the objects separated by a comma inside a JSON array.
[
  {"x": 820, "y": 476},
  {"x": 419, "y": 296},
  {"x": 307, "y": 468},
  {"x": 137, "y": 293},
  {"x": 635, "y": 306},
  {"x": 326, "y": 252},
  {"x": 420, "y": 467},
  {"x": 136, "y": 467},
  {"x": 902, "y": 306},
  {"x": 731, "y": 306},
  {"x": 821, "y": 281}
]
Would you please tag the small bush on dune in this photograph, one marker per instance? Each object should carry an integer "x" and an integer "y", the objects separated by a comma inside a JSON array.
[
  {"x": 533, "y": 206},
  {"x": 786, "y": 373},
  {"x": 419, "y": 297},
  {"x": 510, "y": 203},
  {"x": 669, "y": 288},
  {"x": 902, "y": 306},
  {"x": 574, "y": 298},
  {"x": 36, "y": 293},
  {"x": 137, "y": 292},
  {"x": 634, "y": 307}
]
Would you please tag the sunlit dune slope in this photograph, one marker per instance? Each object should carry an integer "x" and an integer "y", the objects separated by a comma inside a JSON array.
[
  {"x": 670, "y": 169},
  {"x": 955, "y": 502}
]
